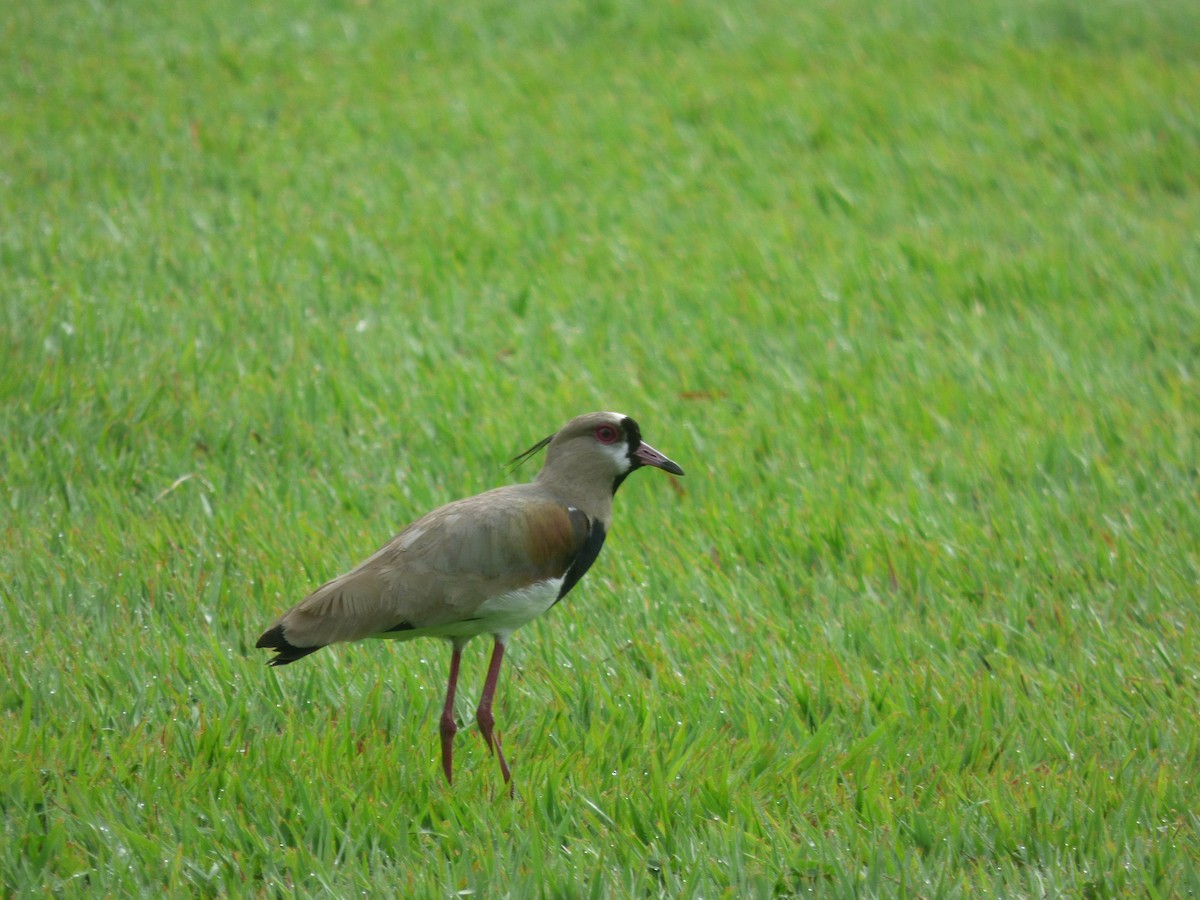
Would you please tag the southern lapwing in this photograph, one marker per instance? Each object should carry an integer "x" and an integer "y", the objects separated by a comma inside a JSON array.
[{"x": 484, "y": 565}]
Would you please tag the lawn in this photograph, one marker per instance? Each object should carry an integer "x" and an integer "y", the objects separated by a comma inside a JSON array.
[{"x": 911, "y": 290}]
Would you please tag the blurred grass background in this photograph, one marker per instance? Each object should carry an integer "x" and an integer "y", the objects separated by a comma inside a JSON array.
[{"x": 908, "y": 288}]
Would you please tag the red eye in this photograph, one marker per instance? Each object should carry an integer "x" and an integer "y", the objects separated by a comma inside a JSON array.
[{"x": 606, "y": 434}]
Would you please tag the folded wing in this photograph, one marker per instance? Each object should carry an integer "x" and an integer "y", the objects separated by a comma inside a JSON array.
[{"x": 440, "y": 569}]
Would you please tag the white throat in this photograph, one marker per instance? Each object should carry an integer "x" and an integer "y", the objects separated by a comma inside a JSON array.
[{"x": 619, "y": 451}]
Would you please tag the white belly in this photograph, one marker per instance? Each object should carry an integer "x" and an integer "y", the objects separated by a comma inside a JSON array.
[
  {"x": 500, "y": 616},
  {"x": 504, "y": 614}
]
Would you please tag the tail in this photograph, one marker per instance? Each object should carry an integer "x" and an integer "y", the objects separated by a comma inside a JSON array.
[{"x": 273, "y": 639}]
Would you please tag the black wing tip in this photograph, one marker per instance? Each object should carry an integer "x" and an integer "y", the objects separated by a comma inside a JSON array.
[{"x": 273, "y": 639}]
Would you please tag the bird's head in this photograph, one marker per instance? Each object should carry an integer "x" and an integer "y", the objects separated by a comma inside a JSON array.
[{"x": 600, "y": 445}]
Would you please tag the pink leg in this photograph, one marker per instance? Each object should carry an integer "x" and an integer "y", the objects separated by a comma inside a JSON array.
[
  {"x": 483, "y": 715},
  {"x": 448, "y": 728}
]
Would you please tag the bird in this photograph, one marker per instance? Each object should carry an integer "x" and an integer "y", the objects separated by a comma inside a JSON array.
[{"x": 486, "y": 564}]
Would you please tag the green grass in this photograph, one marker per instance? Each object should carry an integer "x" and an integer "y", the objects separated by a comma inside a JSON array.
[{"x": 909, "y": 289}]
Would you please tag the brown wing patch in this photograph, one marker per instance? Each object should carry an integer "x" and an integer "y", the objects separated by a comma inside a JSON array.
[{"x": 553, "y": 536}]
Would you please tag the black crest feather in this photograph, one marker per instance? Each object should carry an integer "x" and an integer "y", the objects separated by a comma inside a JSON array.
[{"x": 516, "y": 462}]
